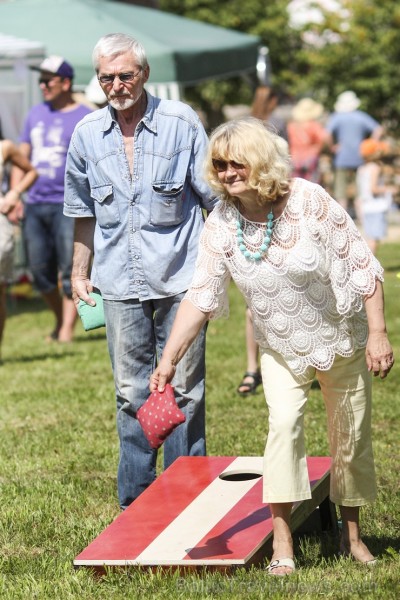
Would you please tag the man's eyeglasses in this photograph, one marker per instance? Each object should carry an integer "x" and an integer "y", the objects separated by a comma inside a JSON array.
[
  {"x": 222, "y": 165},
  {"x": 123, "y": 77}
]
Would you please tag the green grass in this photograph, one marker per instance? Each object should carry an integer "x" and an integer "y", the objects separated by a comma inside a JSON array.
[{"x": 58, "y": 457}]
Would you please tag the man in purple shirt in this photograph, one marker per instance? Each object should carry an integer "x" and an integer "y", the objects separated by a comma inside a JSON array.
[{"x": 48, "y": 233}]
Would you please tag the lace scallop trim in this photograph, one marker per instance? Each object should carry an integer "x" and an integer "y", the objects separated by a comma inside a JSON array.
[{"x": 306, "y": 294}]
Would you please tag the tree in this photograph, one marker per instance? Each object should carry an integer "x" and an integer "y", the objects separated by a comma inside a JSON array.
[
  {"x": 355, "y": 48},
  {"x": 360, "y": 52},
  {"x": 267, "y": 19}
]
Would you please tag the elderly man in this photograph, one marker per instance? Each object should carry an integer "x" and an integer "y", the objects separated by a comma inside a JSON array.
[{"x": 134, "y": 186}]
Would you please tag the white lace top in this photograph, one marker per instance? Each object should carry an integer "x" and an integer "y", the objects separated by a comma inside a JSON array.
[{"x": 306, "y": 294}]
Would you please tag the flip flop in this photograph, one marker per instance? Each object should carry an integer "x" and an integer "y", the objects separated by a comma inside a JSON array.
[{"x": 281, "y": 562}]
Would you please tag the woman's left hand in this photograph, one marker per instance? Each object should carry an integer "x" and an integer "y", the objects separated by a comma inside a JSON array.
[{"x": 379, "y": 354}]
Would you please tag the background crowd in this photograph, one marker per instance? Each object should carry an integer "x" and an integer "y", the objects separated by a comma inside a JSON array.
[{"x": 347, "y": 151}]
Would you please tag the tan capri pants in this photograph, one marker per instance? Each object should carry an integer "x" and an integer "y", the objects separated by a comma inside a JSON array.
[{"x": 346, "y": 389}]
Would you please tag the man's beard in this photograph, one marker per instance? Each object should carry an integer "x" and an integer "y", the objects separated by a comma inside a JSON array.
[{"x": 123, "y": 102}]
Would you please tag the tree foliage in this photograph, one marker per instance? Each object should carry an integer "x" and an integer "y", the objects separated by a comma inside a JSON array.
[
  {"x": 360, "y": 51},
  {"x": 363, "y": 55},
  {"x": 267, "y": 19}
]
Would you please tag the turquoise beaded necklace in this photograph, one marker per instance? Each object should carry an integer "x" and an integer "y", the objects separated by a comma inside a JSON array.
[{"x": 256, "y": 256}]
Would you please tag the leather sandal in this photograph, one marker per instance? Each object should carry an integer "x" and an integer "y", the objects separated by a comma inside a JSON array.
[{"x": 246, "y": 388}]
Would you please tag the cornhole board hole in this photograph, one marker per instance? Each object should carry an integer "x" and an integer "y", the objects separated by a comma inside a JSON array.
[{"x": 201, "y": 512}]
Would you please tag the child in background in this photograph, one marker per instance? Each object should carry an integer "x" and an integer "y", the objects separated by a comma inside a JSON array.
[{"x": 374, "y": 195}]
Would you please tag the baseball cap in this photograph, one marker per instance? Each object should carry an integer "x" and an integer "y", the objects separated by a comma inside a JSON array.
[{"x": 56, "y": 65}]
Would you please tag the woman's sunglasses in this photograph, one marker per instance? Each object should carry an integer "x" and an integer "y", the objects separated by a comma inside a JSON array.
[{"x": 222, "y": 165}]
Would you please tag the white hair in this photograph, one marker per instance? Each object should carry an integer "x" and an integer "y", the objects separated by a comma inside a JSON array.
[{"x": 114, "y": 44}]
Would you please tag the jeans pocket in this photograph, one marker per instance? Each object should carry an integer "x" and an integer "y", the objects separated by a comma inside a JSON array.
[
  {"x": 106, "y": 206},
  {"x": 167, "y": 203}
]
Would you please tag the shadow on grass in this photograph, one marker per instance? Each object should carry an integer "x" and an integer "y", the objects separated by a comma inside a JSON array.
[
  {"x": 329, "y": 543},
  {"x": 37, "y": 357},
  {"x": 19, "y": 306},
  {"x": 56, "y": 351},
  {"x": 92, "y": 337},
  {"x": 379, "y": 545}
]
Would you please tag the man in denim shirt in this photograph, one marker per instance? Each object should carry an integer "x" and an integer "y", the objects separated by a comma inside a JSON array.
[{"x": 134, "y": 186}]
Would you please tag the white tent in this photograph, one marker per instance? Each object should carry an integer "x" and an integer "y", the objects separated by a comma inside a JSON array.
[{"x": 18, "y": 84}]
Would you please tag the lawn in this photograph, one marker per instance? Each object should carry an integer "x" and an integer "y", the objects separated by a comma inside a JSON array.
[{"x": 59, "y": 452}]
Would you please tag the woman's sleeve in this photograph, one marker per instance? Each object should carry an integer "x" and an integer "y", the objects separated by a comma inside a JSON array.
[
  {"x": 352, "y": 268},
  {"x": 209, "y": 288}
]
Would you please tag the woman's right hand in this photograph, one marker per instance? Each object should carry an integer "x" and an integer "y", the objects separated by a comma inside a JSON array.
[
  {"x": 163, "y": 374},
  {"x": 187, "y": 324}
]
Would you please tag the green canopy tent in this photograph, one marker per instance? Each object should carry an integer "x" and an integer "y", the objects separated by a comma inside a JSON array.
[{"x": 179, "y": 50}]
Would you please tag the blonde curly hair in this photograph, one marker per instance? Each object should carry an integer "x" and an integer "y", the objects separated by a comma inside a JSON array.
[{"x": 247, "y": 141}]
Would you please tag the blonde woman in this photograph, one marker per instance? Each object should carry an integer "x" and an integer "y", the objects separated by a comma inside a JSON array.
[
  {"x": 314, "y": 289},
  {"x": 8, "y": 202}
]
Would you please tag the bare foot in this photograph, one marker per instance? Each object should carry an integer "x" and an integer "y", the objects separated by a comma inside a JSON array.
[
  {"x": 357, "y": 550},
  {"x": 65, "y": 335}
]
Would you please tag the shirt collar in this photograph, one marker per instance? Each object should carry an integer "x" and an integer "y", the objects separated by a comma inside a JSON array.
[{"x": 149, "y": 118}]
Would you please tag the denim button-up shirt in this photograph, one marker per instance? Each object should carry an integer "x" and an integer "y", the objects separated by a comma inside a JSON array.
[{"x": 148, "y": 224}]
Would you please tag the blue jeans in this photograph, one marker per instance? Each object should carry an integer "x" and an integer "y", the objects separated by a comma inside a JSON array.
[
  {"x": 137, "y": 333},
  {"x": 49, "y": 239}
]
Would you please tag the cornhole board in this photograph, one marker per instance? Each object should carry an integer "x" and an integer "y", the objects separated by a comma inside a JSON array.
[{"x": 201, "y": 512}]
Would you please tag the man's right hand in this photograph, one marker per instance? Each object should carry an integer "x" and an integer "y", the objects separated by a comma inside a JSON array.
[{"x": 81, "y": 287}]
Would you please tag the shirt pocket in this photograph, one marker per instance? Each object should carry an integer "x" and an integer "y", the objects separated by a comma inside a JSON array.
[
  {"x": 167, "y": 203},
  {"x": 106, "y": 206}
]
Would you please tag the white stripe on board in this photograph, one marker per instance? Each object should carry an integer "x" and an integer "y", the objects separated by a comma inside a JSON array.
[{"x": 202, "y": 514}]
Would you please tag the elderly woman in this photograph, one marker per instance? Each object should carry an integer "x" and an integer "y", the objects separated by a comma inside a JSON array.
[{"x": 315, "y": 293}]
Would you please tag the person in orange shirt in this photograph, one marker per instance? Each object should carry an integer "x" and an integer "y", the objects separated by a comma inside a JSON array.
[{"x": 307, "y": 138}]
